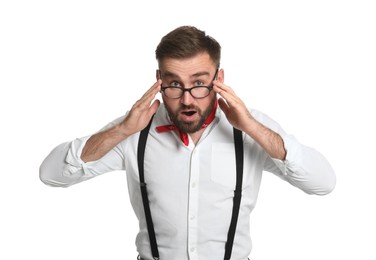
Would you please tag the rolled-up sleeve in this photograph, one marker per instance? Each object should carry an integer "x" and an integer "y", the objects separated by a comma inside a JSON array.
[
  {"x": 63, "y": 167},
  {"x": 51, "y": 171},
  {"x": 305, "y": 168}
]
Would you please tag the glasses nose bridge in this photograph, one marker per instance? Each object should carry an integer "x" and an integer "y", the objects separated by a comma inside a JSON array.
[
  {"x": 187, "y": 97},
  {"x": 189, "y": 90}
]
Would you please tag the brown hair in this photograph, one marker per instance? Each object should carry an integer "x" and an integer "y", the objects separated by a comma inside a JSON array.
[{"x": 186, "y": 42}]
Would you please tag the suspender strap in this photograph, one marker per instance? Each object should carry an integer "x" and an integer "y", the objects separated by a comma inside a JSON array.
[
  {"x": 239, "y": 155},
  {"x": 140, "y": 159}
]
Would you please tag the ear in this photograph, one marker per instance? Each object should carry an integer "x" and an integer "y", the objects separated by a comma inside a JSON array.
[{"x": 221, "y": 76}]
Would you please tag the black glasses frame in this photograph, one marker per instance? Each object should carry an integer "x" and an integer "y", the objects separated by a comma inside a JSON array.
[{"x": 183, "y": 90}]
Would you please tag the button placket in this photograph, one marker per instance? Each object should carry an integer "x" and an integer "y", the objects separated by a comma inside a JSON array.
[{"x": 193, "y": 204}]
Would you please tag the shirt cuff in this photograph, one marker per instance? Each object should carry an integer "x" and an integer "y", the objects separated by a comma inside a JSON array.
[
  {"x": 74, "y": 163},
  {"x": 293, "y": 155}
]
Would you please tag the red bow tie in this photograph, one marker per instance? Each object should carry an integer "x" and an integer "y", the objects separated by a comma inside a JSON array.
[{"x": 184, "y": 136}]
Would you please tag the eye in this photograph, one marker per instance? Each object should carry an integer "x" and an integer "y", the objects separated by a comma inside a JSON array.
[
  {"x": 199, "y": 83},
  {"x": 175, "y": 84}
]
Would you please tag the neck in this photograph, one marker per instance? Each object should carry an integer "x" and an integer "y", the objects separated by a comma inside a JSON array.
[{"x": 196, "y": 135}]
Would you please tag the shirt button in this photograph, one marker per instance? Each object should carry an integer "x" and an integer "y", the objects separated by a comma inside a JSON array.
[
  {"x": 193, "y": 249},
  {"x": 194, "y": 185},
  {"x": 192, "y": 218}
]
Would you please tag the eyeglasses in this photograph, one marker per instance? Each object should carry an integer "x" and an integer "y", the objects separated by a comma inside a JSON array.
[{"x": 196, "y": 92}]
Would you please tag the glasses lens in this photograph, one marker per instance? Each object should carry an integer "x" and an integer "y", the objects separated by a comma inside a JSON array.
[
  {"x": 200, "y": 92},
  {"x": 172, "y": 92}
]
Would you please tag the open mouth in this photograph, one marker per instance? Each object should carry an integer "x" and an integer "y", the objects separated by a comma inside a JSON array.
[{"x": 189, "y": 113}]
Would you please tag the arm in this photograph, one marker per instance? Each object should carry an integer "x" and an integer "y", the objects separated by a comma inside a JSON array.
[
  {"x": 298, "y": 164},
  {"x": 101, "y": 143},
  {"x": 87, "y": 157},
  {"x": 269, "y": 140},
  {"x": 239, "y": 116},
  {"x": 303, "y": 166}
]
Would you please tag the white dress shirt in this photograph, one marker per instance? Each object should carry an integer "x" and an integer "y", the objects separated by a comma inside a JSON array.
[{"x": 191, "y": 188}]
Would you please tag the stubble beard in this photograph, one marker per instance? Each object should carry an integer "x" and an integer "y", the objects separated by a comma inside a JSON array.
[{"x": 191, "y": 127}]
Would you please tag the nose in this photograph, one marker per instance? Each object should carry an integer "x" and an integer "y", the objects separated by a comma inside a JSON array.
[{"x": 187, "y": 98}]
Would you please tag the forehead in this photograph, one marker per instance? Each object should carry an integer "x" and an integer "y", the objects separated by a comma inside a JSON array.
[{"x": 198, "y": 64}]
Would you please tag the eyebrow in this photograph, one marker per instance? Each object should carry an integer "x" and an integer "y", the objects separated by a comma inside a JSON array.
[{"x": 173, "y": 75}]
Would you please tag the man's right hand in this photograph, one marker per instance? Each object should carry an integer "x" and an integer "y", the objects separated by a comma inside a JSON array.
[
  {"x": 137, "y": 119},
  {"x": 142, "y": 111}
]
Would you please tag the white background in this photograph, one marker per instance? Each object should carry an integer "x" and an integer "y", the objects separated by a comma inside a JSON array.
[{"x": 69, "y": 67}]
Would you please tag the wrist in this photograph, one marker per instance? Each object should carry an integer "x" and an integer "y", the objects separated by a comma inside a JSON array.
[{"x": 122, "y": 130}]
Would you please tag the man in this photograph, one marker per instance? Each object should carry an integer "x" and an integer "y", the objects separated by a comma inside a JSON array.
[{"x": 187, "y": 162}]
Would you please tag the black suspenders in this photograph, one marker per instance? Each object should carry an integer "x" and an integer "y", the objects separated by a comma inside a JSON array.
[
  {"x": 239, "y": 156},
  {"x": 140, "y": 160}
]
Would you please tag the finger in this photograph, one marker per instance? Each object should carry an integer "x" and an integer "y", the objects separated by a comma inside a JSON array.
[
  {"x": 154, "y": 107},
  {"x": 153, "y": 90},
  {"x": 148, "y": 97},
  {"x": 223, "y": 87},
  {"x": 225, "y": 91},
  {"x": 223, "y": 105},
  {"x": 230, "y": 97}
]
